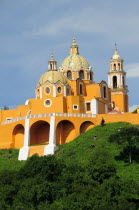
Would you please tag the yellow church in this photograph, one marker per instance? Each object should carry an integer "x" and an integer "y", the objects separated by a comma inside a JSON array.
[{"x": 67, "y": 103}]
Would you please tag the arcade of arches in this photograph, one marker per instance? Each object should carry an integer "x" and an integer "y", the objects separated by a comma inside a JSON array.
[
  {"x": 85, "y": 126},
  {"x": 18, "y": 136},
  {"x": 39, "y": 132},
  {"x": 65, "y": 132}
]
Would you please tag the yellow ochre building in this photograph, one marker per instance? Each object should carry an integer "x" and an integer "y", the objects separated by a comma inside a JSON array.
[{"x": 68, "y": 102}]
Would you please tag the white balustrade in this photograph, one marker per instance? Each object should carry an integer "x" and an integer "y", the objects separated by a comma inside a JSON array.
[{"x": 48, "y": 115}]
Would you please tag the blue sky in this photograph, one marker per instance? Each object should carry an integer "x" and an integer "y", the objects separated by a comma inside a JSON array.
[{"x": 31, "y": 30}]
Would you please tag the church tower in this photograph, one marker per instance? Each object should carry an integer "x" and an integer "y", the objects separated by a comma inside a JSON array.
[
  {"x": 117, "y": 83},
  {"x": 52, "y": 64}
]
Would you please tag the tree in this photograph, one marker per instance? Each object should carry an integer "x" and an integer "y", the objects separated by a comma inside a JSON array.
[
  {"x": 127, "y": 138},
  {"x": 102, "y": 165},
  {"x": 5, "y": 108}
]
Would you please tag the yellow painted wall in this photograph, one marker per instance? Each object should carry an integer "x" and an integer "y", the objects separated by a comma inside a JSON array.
[{"x": 120, "y": 101}]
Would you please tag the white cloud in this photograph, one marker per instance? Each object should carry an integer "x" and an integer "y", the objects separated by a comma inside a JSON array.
[
  {"x": 133, "y": 108},
  {"x": 82, "y": 21},
  {"x": 132, "y": 70},
  {"x": 91, "y": 20}
]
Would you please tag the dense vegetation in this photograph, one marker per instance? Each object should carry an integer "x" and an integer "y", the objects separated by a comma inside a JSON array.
[{"x": 98, "y": 170}]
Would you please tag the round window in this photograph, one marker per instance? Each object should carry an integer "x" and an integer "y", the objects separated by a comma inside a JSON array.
[
  {"x": 47, "y": 102},
  {"x": 59, "y": 89},
  {"x": 47, "y": 90}
]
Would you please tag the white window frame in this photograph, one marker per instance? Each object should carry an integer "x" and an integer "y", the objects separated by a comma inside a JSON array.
[
  {"x": 86, "y": 106},
  {"x": 45, "y": 90},
  {"x": 45, "y": 102},
  {"x": 74, "y": 107}
]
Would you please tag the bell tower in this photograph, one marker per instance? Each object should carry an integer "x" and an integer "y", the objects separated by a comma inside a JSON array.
[
  {"x": 52, "y": 64},
  {"x": 117, "y": 83},
  {"x": 74, "y": 49}
]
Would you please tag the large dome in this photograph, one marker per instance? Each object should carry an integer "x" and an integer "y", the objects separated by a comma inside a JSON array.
[
  {"x": 75, "y": 62},
  {"x": 52, "y": 77}
]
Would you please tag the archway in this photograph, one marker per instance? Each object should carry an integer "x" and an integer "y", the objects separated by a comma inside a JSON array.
[
  {"x": 18, "y": 136},
  {"x": 114, "y": 66},
  {"x": 65, "y": 132},
  {"x": 39, "y": 132},
  {"x": 123, "y": 81},
  {"x": 91, "y": 78},
  {"x": 85, "y": 126},
  {"x": 114, "y": 82},
  {"x": 81, "y": 74},
  {"x": 104, "y": 92},
  {"x": 69, "y": 74}
]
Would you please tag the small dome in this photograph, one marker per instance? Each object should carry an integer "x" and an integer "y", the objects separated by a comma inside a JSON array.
[
  {"x": 75, "y": 62},
  {"x": 116, "y": 56},
  {"x": 52, "y": 77}
]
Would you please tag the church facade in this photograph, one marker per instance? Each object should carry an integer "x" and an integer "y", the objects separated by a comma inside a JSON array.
[{"x": 68, "y": 102}]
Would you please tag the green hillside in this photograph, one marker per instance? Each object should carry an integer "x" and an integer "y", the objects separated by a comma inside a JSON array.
[
  {"x": 97, "y": 170},
  {"x": 9, "y": 160},
  {"x": 82, "y": 149}
]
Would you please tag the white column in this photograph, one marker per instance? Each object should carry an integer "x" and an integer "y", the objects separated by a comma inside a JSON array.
[
  {"x": 51, "y": 147},
  {"x": 118, "y": 80},
  {"x": 24, "y": 151},
  {"x": 106, "y": 108},
  {"x": 54, "y": 91},
  {"x": 65, "y": 91},
  {"x": 94, "y": 106},
  {"x": 109, "y": 81},
  {"x": 40, "y": 92}
]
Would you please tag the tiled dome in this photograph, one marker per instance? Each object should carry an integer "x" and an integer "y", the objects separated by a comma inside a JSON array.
[
  {"x": 75, "y": 62},
  {"x": 52, "y": 77}
]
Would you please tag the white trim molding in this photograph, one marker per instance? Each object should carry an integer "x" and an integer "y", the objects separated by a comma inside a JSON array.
[{"x": 94, "y": 106}]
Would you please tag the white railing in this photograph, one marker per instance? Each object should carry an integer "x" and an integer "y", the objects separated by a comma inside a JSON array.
[{"x": 48, "y": 115}]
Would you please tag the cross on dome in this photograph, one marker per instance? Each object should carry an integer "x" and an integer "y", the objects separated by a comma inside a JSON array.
[{"x": 52, "y": 58}]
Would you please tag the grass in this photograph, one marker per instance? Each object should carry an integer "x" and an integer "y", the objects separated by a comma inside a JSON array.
[
  {"x": 39, "y": 144},
  {"x": 9, "y": 160},
  {"x": 81, "y": 149}
]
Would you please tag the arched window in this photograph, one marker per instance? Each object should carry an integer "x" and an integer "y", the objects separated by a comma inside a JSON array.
[
  {"x": 104, "y": 92},
  {"x": 47, "y": 90},
  {"x": 81, "y": 89},
  {"x": 118, "y": 66},
  {"x": 88, "y": 106},
  {"x": 123, "y": 81},
  {"x": 81, "y": 74},
  {"x": 59, "y": 89},
  {"x": 69, "y": 75},
  {"x": 91, "y": 76},
  {"x": 114, "y": 82},
  {"x": 50, "y": 66},
  {"x": 114, "y": 66}
]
